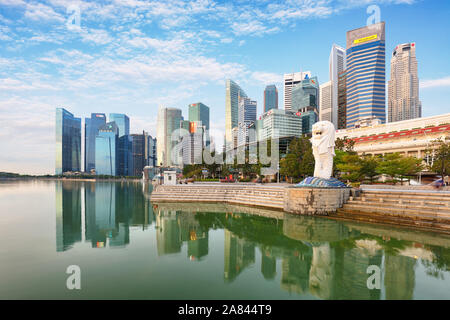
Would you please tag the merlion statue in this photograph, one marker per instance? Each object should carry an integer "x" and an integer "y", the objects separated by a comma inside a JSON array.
[{"x": 323, "y": 148}]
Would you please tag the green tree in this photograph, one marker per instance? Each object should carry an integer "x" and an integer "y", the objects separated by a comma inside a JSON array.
[
  {"x": 369, "y": 166},
  {"x": 351, "y": 167},
  {"x": 441, "y": 163},
  {"x": 299, "y": 160},
  {"x": 395, "y": 165}
]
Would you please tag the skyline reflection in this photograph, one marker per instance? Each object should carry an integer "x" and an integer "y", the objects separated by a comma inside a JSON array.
[{"x": 306, "y": 255}]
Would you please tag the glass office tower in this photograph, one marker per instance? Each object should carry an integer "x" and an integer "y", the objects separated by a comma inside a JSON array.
[
  {"x": 122, "y": 121},
  {"x": 168, "y": 121},
  {"x": 305, "y": 94},
  {"x": 68, "y": 142},
  {"x": 106, "y": 150},
  {"x": 270, "y": 98},
  {"x": 199, "y": 112},
  {"x": 232, "y": 94},
  {"x": 91, "y": 127},
  {"x": 138, "y": 153},
  {"x": 366, "y": 74},
  {"x": 125, "y": 157}
]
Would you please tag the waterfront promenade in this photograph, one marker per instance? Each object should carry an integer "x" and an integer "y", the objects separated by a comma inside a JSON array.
[{"x": 411, "y": 206}]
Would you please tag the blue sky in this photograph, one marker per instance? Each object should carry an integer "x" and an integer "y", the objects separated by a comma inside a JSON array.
[{"x": 132, "y": 56}]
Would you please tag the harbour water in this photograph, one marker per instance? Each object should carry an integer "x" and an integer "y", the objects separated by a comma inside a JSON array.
[{"x": 128, "y": 248}]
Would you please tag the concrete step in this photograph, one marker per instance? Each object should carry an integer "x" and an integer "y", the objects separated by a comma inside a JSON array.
[
  {"x": 393, "y": 204},
  {"x": 428, "y": 215},
  {"x": 408, "y": 195},
  {"x": 404, "y": 201}
]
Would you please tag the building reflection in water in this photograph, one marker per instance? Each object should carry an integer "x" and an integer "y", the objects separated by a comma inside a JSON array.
[
  {"x": 109, "y": 211},
  {"x": 174, "y": 228},
  {"x": 68, "y": 215},
  {"x": 318, "y": 256},
  {"x": 239, "y": 254}
]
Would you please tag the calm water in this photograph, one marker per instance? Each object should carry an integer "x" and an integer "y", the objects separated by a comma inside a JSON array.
[{"x": 128, "y": 249}]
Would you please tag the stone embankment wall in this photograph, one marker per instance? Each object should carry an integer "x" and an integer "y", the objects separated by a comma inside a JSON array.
[{"x": 309, "y": 201}]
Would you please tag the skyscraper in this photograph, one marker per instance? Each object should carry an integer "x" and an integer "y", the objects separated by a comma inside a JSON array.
[
  {"x": 366, "y": 78},
  {"x": 232, "y": 94},
  {"x": 168, "y": 121},
  {"x": 270, "y": 98},
  {"x": 150, "y": 151},
  {"x": 290, "y": 80},
  {"x": 342, "y": 100},
  {"x": 403, "y": 99},
  {"x": 276, "y": 124},
  {"x": 138, "y": 153},
  {"x": 326, "y": 102},
  {"x": 91, "y": 126},
  {"x": 122, "y": 121},
  {"x": 68, "y": 142},
  {"x": 247, "y": 116},
  {"x": 338, "y": 64},
  {"x": 199, "y": 112},
  {"x": 305, "y": 94},
  {"x": 106, "y": 150}
]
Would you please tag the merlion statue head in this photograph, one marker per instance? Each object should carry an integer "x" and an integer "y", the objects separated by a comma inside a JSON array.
[{"x": 323, "y": 137}]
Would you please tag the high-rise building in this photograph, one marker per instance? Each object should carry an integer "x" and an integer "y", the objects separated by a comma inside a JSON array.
[
  {"x": 403, "y": 87},
  {"x": 68, "y": 142},
  {"x": 270, "y": 97},
  {"x": 199, "y": 112},
  {"x": 309, "y": 116},
  {"x": 168, "y": 121},
  {"x": 125, "y": 164},
  {"x": 278, "y": 123},
  {"x": 326, "y": 102},
  {"x": 232, "y": 94},
  {"x": 193, "y": 139},
  {"x": 106, "y": 150},
  {"x": 192, "y": 146},
  {"x": 138, "y": 153},
  {"x": 150, "y": 151},
  {"x": 247, "y": 116},
  {"x": 305, "y": 94},
  {"x": 290, "y": 80},
  {"x": 338, "y": 64},
  {"x": 366, "y": 78},
  {"x": 342, "y": 100},
  {"x": 122, "y": 121},
  {"x": 91, "y": 126}
]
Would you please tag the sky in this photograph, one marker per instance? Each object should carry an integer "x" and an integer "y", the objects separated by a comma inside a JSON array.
[{"x": 132, "y": 56}]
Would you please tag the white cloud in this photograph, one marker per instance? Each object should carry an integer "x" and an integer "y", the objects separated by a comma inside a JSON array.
[
  {"x": 267, "y": 77},
  {"x": 255, "y": 28},
  {"x": 433, "y": 83},
  {"x": 226, "y": 40},
  {"x": 42, "y": 12}
]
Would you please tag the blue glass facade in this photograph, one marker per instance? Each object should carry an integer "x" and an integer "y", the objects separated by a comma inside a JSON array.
[
  {"x": 123, "y": 123},
  {"x": 199, "y": 112},
  {"x": 308, "y": 119},
  {"x": 106, "y": 150},
  {"x": 91, "y": 127},
  {"x": 125, "y": 157},
  {"x": 366, "y": 79},
  {"x": 305, "y": 94},
  {"x": 270, "y": 98},
  {"x": 68, "y": 142}
]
